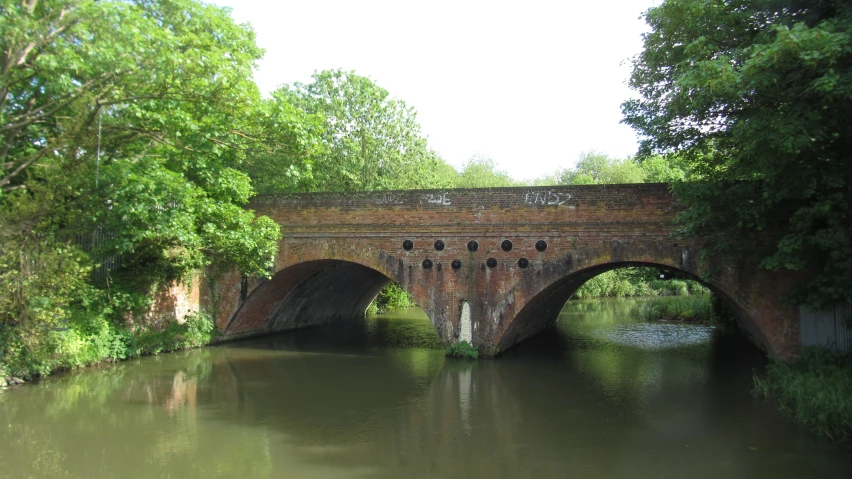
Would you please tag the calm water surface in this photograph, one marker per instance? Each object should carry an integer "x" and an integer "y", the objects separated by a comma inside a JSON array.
[{"x": 601, "y": 396}]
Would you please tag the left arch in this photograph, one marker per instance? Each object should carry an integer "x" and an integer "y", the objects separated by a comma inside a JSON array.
[{"x": 308, "y": 293}]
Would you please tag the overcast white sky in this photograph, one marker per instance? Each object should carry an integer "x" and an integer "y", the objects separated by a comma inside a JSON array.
[{"x": 530, "y": 84}]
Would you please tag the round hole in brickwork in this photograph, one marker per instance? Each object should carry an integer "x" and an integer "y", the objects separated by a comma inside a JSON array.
[
  {"x": 491, "y": 262},
  {"x": 439, "y": 245},
  {"x": 407, "y": 245},
  {"x": 456, "y": 264},
  {"x": 506, "y": 245},
  {"x": 540, "y": 245},
  {"x": 523, "y": 262},
  {"x": 427, "y": 264},
  {"x": 472, "y": 245}
]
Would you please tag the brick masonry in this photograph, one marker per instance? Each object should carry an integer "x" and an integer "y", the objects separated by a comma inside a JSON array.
[{"x": 340, "y": 249}]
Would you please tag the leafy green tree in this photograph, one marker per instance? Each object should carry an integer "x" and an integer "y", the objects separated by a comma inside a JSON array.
[
  {"x": 160, "y": 88},
  {"x": 134, "y": 117},
  {"x": 598, "y": 168},
  {"x": 756, "y": 98},
  {"x": 371, "y": 141},
  {"x": 664, "y": 169},
  {"x": 293, "y": 141},
  {"x": 443, "y": 175},
  {"x": 481, "y": 172}
]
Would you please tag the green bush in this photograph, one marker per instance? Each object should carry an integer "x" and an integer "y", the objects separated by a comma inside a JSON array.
[
  {"x": 462, "y": 349},
  {"x": 196, "y": 330},
  {"x": 97, "y": 339},
  {"x": 392, "y": 297},
  {"x": 62, "y": 348},
  {"x": 816, "y": 390}
]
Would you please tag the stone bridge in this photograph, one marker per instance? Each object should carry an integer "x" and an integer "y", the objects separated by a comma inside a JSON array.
[{"x": 491, "y": 266}]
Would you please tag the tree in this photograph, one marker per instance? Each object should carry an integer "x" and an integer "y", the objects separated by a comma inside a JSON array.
[
  {"x": 481, "y": 172},
  {"x": 159, "y": 87},
  {"x": 371, "y": 141},
  {"x": 756, "y": 97},
  {"x": 665, "y": 169},
  {"x": 294, "y": 140},
  {"x": 595, "y": 167},
  {"x": 134, "y": 118}
]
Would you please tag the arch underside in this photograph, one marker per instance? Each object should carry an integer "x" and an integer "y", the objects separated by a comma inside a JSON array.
[
  {"x": 308, "y": 294},
  {"x": 543, "y": 309}
]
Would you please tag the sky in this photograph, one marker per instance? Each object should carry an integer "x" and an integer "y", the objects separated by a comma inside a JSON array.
[{"x": 530, "y": 84}]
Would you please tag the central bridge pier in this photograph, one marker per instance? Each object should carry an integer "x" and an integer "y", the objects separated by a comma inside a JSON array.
[{"x": 490, "y": 266}]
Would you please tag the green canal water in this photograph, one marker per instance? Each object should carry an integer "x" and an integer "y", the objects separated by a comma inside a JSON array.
[{"x": 602, "y": 395}]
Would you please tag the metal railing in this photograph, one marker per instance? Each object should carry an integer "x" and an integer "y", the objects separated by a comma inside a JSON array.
[
  {"x": 92, "y": 241},
  {"x": 830, "y": 328}
]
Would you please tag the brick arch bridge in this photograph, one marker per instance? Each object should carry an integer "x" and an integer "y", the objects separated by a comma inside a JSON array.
[{"x": 534, "y": 248}]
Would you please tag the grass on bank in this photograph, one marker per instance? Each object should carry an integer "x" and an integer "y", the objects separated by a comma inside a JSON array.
[
  {"x": 815, "y": 390},
  {"x": 693, "y": 308}
]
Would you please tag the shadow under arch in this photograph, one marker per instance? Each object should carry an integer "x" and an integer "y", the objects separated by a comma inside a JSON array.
[
  {"x": 307, "y": 294},
  {"x": 544, "y": 308}
]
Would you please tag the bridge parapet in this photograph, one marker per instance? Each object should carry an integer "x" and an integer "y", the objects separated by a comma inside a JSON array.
[{"x": 471, "y": 209}]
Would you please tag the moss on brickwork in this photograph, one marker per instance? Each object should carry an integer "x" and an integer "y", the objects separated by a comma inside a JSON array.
[{"x": 462, "y": 349}]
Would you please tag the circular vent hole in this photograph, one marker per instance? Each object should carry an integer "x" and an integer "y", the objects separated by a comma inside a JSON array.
[
  {"x": 472, "y": 245},
  {"x": 407, "y": 245},
  {"x": 456, "y": 264},
  {"x": 523, "y": 262},
  {"x": 439, "y": 245},
  {"x": 427, "y": 264},
  {"x": 491, "y": 262},
  {"x": 540, "y": 245},
  {"x": 506, "y": 245}
]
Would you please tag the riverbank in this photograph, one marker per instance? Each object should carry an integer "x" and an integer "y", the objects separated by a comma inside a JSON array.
[
  {"x": 815, "y": 390},
  {"x": 95, "y": 341},
  {"x": 696, "y": 308}
]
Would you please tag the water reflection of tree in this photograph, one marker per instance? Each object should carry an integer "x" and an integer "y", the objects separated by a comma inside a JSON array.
[{"x": 135, "y": 419}]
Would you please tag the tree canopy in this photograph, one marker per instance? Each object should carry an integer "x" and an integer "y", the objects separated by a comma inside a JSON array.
[
  {"x": 133, "y": 113},
  {"x": 755, "y": 97},
  {"x": 594, "y": 167},
  {"x": 129, "y": 118},
  {"x": 369, "y": 140},
  {"x": 481, "y": 172}
]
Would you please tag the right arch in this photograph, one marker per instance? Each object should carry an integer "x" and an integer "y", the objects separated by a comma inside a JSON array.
[{"x": 543, "y": 308}]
